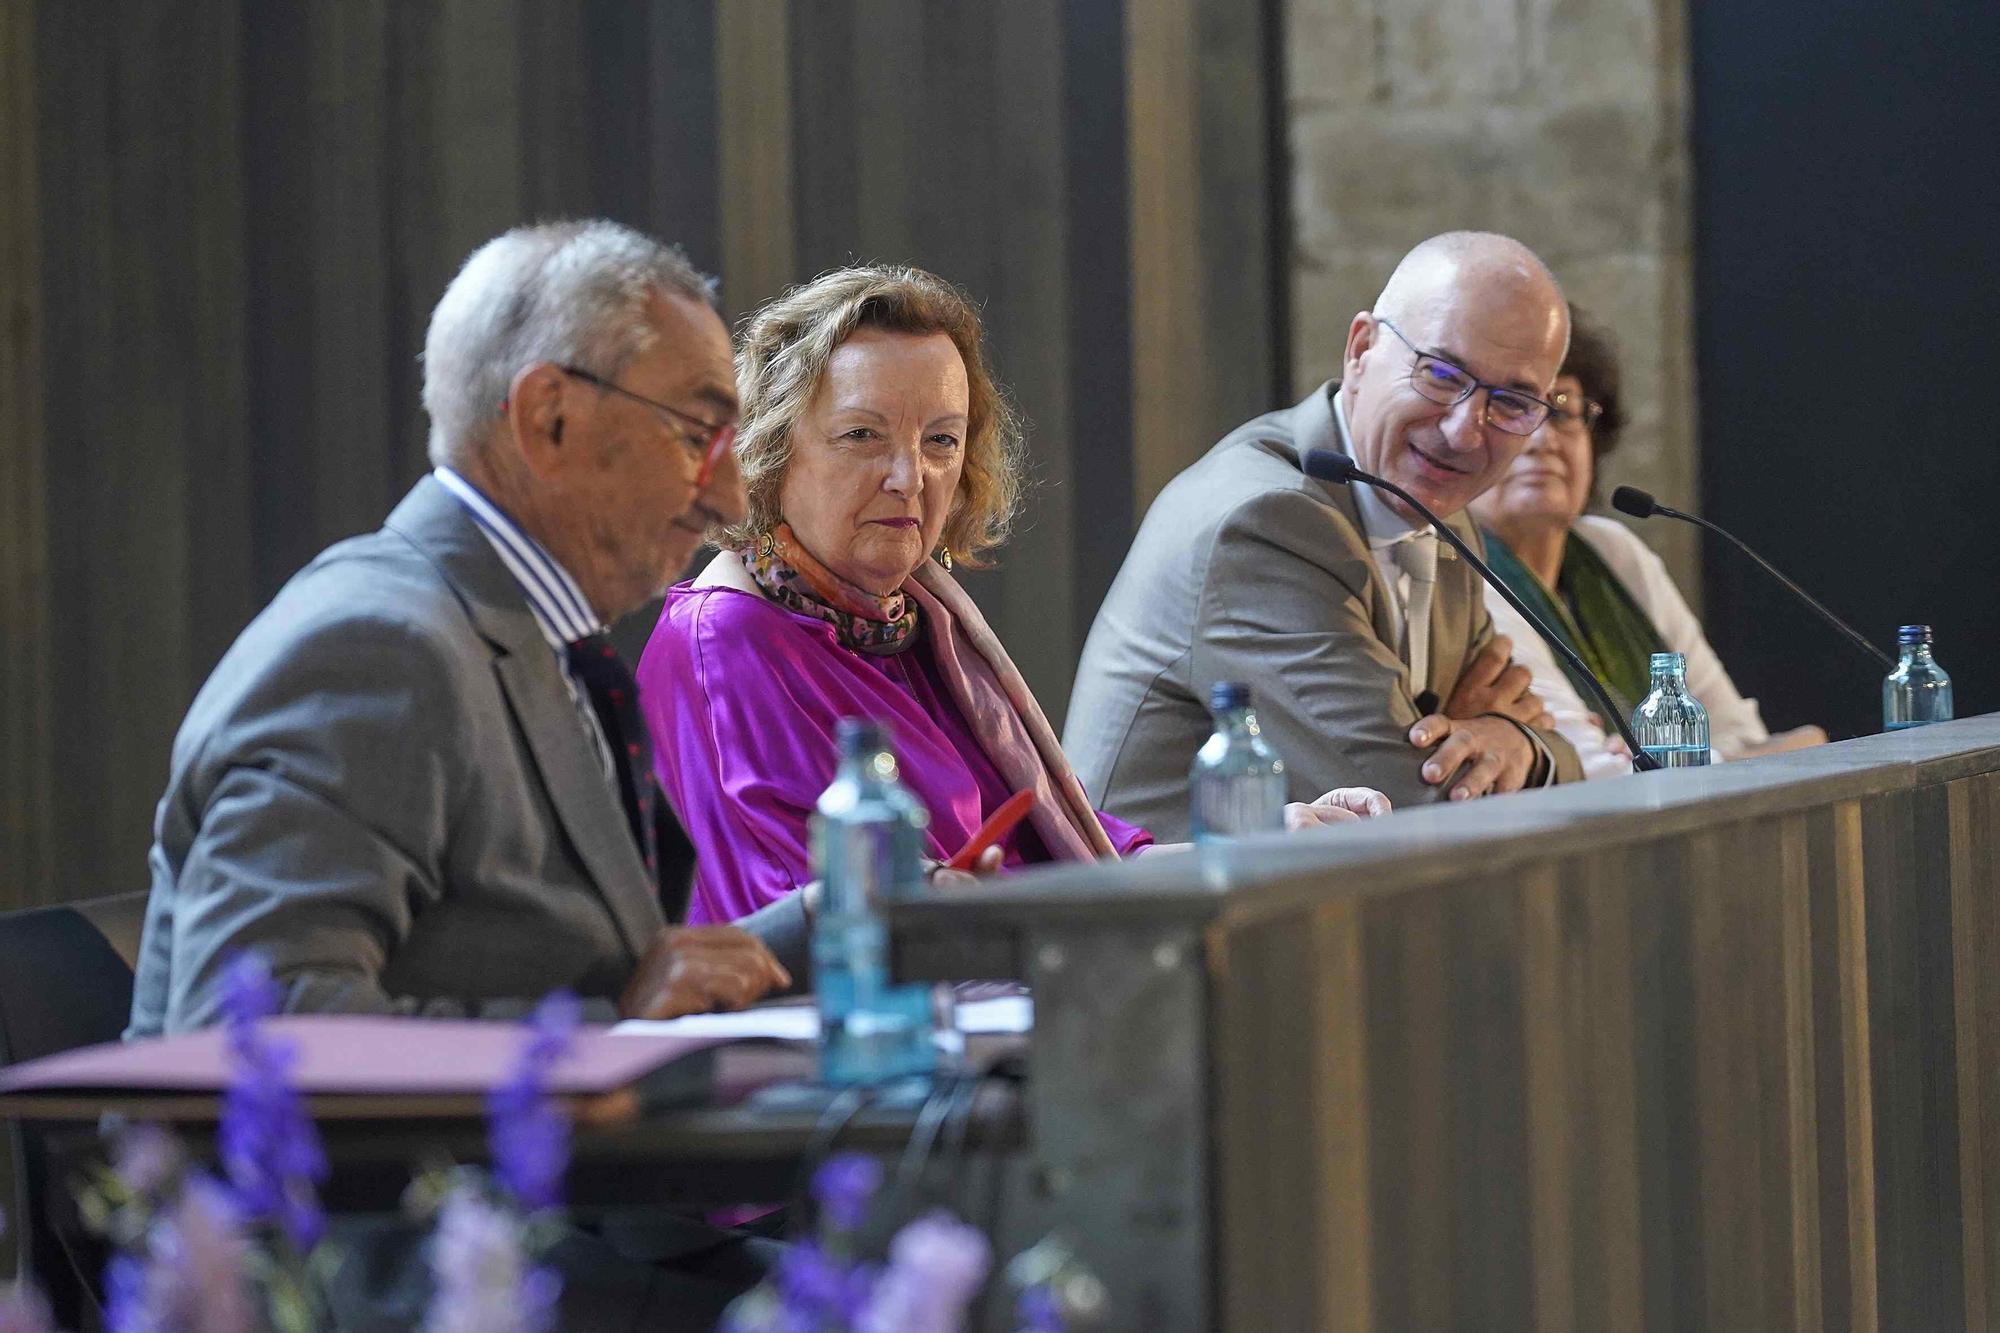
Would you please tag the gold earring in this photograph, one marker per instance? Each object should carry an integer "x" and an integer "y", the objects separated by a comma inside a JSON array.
[
  {"x": 767, "y": 547},
  {"x": 944, "y": 556}
]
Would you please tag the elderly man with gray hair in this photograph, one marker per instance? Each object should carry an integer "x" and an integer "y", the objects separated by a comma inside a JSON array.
[
  {"x": 417, "y": 782},
  {"x": 1368, "y": 650}
]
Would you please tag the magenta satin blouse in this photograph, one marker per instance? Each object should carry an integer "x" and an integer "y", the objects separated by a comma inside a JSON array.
[{"x": 742, "y": 696}]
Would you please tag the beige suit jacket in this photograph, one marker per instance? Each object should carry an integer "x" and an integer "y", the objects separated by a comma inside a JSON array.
[{"x": 1247, "y": 569}]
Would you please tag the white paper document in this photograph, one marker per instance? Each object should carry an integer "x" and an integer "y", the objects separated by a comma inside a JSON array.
[{"x": 800, "y": 1022}]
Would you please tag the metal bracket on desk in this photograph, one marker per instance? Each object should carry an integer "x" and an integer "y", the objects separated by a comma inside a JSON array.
[{"x": 1118, "y": 1115}]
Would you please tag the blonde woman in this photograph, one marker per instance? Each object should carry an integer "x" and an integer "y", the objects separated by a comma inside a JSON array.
[{"x": 877, "y": 452}]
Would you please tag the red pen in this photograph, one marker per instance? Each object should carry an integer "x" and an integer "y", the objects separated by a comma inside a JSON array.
[{"x": 1011, "y": 812}]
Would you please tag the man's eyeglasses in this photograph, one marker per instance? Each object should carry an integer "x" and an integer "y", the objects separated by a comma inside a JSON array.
[
  {"x": 708, "y": 440},
  {"x": 1442, "y": 382},
  {"x": 1572, "y": 413}
]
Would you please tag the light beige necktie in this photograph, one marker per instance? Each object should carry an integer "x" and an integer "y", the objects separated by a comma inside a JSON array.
[{"x": 1418, "y": 557}]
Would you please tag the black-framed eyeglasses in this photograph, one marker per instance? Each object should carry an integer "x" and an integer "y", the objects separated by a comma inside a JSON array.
[
  {"x": 708, "y": 440},
  {"x": 1442, "y": 382},
  {"x": 1572, "y": 412}
]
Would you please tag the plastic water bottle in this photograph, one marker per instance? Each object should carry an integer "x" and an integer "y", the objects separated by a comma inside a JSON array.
[
  {"x": 1917, "y": 691},
  {"x": 1237, "y": 785},
  {"x": 867, "y": 843},
  {"x": 1670, "y": 723}
]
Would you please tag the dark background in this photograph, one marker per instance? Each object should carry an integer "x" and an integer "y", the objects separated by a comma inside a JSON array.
[{"x": 1847, "y": 222}]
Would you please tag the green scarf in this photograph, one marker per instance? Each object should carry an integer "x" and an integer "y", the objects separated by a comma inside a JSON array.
[{"x": 1593, "y": 613}]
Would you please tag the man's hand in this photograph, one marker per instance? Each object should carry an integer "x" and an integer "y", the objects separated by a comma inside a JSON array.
[
  {"x": 1494, "y": 754},
  {"x": 1783, "y": 742},
  {"x": 1493, "y": 682},
  {"x": 698, "y": 969},
  {"x": 1342, "y": 805}
]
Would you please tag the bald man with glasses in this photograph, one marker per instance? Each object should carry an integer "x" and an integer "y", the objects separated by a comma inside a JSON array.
[{"x": 1365, "y": 643}]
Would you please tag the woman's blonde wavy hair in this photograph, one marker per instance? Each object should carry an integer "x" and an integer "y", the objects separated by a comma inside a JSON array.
[{"x": 782, "y": 355}]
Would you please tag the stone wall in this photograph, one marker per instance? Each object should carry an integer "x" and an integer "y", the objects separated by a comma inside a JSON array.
[{"x": 1560, "y": 122}]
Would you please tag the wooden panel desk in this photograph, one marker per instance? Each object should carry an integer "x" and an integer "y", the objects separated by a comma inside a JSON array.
[{"x": 1709, "y": 1049}]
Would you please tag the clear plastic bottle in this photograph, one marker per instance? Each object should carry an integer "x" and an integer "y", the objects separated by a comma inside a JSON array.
[
  {"x": 1917, "y": 692},
  {"x": 1237, "y": 785},
  {"x": 1670, "y": 723},
  {"x": 867, "y": 844}
]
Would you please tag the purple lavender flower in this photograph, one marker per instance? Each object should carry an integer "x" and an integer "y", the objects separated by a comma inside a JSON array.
[
  {"x": 125, "y": 1296},
  {"x": 483, "y": 1281},
  {"x": 270, "y": 1148},
  {"x": 760, "y": 1310},
  {"x": 191, "y": 1271},
  {"x": 845, "y": 1186},
  {"x": 528, "y": 1133},
  {"x": 819, "y": 1289},
  {"x": 936, "y": 1265},
  {"x": 22, "y": 1310},
  {"x": 148, "y": 1160},
  {"x": 1038, "y": 1310}
]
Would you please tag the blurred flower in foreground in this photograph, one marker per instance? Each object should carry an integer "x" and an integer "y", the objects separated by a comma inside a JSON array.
[
  {"x": 479, "y": 1262},
  {"x": 269, "y": 1146},
  {"x": 22, "y": 1309},
  {"x": 191, "y": 1272},
  {"x": 486, "y": 1281},
  {"x": 936, "y": 1265},
  {"x": 528, "y": 1132}
]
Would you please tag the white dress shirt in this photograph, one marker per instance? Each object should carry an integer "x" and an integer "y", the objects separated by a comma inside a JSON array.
[
  {"x": 554, "y": 598},
  {"x": 1386, "y": 530}
]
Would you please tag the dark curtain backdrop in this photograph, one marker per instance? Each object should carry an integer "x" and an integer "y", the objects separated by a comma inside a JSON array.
[
  {"x": 1847, "y": 201},
  {"x": 223, "y": 225}
]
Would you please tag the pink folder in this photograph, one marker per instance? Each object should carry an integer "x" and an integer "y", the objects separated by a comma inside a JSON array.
[{"x": 350, "y": 1056}]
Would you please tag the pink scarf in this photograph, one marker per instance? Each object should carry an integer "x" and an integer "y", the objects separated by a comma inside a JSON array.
[{"x": 1004, "y": 716}]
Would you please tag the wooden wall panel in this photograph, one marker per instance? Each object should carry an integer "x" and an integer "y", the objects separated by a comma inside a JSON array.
[
  {"x": 1919, "y": 1266},
  {"x": 1732, "y": 1076},
  {"x": 143, "y": 334},
  {"x": 1204, "y": 313},
  {"x": 1163, "y": 130},
  {"x": 754, "y": 137},
  {"x": 1970, "y": 816},
  {"x": 28, "y": 773},
  {"x": 1579, "y": 1032}
]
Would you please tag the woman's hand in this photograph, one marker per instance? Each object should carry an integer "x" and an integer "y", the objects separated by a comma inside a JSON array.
[
  {"x": 944, "y": 877},
  {"x": 1342, "y": 805},
  {"x": 1782, "y": 742}
]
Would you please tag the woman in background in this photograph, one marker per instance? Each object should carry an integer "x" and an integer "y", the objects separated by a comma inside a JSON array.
[{"x": 1595, "y": 582}]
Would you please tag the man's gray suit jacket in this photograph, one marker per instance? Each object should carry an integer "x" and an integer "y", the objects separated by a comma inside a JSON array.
[
  {"x": 386, "y": 789},
  {"x": 1246, "y": 569}
]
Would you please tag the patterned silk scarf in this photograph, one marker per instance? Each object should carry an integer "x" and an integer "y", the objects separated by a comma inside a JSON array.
[
  {"x": 1593, "y": 613},
  {"x": 791, "y": 577}
]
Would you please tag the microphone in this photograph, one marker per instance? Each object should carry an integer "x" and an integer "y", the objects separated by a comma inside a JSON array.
[
  {"x": 1334, "y": 466},
  {"x": 1641, "y": 504}
]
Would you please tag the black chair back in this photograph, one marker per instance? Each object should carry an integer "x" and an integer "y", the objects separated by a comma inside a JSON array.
[{"x": 64, "y": 983}]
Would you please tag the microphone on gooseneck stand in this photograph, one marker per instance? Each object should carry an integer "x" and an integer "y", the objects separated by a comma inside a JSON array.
[
  {"x": 1331, "y": 465},
  {"x": 1641, "y": 504}
]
